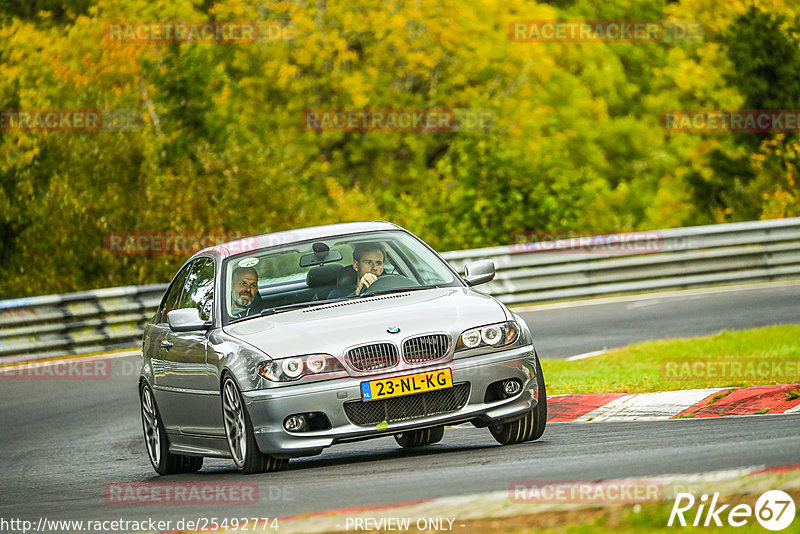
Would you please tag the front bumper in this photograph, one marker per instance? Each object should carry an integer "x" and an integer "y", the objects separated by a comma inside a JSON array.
[{"x": 270, "y": 407}]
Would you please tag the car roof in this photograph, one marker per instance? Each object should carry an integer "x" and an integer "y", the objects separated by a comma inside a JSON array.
[{"x": 291, "y": 236}]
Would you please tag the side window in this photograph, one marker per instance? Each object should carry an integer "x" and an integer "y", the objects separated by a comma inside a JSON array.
[
  {"x": 199, "y": 288},
  {"x": 173, "y": 294}
]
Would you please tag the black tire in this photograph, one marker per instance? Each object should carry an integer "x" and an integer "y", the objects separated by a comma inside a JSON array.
[
  {"x": 529, "y": 427},
  {"x": 243, "y": 448},
  {"x": 540, "y": 414},
  {"x": 420, "y": 438},
  {"x": 157, "y": 442}
]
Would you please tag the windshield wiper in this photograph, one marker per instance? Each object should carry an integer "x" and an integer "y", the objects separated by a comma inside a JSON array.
[{"x": 299, "y": 305}]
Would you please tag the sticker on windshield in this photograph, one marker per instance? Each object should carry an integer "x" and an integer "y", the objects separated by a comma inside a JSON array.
[{"x": 248, "y": 262}]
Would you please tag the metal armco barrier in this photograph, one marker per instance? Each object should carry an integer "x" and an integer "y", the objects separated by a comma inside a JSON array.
[
  {"x": 668, "y": 259},
  {"x": 526, "y": 273},
  {"x": 76, "y": 323}
]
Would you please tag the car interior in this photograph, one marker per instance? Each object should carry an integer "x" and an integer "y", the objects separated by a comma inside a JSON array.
[{"x": 323, "y": 281}]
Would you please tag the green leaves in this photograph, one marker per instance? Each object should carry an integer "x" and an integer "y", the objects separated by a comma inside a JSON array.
[{"x": 571, "y": 138}]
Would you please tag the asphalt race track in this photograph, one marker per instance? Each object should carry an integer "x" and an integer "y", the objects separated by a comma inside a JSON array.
[{"x": 63, "y": 441}]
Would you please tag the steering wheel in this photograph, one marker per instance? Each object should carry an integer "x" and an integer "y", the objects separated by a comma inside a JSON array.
[{"x": 389, "y": 281}]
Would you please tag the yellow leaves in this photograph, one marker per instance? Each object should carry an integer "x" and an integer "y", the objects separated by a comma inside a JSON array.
[
  {"x": 356, "y": 87},
  {"x": 223, "y": 97},
  {"x": 286, "y": 74},
  {"x": 335, "y": 191},
  {"x": 780, "y": 204}
]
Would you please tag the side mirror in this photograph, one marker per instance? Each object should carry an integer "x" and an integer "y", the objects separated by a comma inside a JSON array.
[
  {"x": 186, "y": 320},
  {"x": 479, "y": 272}
]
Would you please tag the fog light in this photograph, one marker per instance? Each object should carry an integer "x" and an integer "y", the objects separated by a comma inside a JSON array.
[
  {"x": 295, "y": 423},
  {"x": 511, "y": 387}
]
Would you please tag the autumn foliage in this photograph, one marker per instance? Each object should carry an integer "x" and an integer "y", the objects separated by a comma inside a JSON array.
[{"x": 206, "y": 134}]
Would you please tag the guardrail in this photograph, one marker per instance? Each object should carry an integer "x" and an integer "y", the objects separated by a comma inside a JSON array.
[
  {"x": 75, "y": 323},
  {"x": 526, "y": 272},
  {"x": 671, "y": 259}
]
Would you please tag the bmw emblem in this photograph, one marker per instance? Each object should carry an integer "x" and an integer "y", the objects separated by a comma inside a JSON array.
[{"x": 393, "y": 330}]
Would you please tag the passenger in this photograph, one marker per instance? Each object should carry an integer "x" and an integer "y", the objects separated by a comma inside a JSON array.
[{"x": 244, "y": 292}]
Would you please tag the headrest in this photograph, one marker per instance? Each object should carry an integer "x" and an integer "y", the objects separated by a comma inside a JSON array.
[
  {"x": 347, "y": 276},
  {"x": 324, "y": 275}
]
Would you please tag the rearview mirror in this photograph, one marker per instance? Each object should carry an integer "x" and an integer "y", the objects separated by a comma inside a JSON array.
[
  {"x": 479, "y": 272},
  {"x": 186, "y": 320},
  {"x": 321, "y": 255}
]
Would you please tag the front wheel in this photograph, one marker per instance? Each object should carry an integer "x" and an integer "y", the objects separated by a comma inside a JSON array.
[
  {"x": 155, "y": 439},
  {"x": 531, "y": 426},
  {"x": 239, "y": 431}
]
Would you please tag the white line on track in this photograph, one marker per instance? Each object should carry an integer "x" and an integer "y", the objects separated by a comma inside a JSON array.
[
  {"x": 586, "y": 355},
  {"x": 680, "y": 293}
]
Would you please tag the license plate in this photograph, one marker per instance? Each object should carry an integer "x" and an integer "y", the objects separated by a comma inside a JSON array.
[{"x": 406, "y": 385}]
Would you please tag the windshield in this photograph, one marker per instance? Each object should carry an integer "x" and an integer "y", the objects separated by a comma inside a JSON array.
[{"x": 339, "y": 267}]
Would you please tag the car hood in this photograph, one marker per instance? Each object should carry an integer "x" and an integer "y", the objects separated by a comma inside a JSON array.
[{"x": 334, "y": 328}]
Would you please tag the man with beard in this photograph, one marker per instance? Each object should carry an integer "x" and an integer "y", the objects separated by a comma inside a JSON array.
[{"x": 244, "y": 290}]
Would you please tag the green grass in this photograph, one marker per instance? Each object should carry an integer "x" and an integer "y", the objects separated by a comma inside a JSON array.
[{"x": 689, "y": 363}]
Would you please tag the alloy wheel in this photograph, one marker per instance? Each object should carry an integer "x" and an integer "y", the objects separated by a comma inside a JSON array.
[
  {"x": 152, "y": 434},
  {"x": 233, "y": 413}
]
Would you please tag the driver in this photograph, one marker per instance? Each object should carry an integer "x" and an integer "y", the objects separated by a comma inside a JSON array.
[
  {"x": 244, "y": 287},
  {"x": 368, "y": 261}
]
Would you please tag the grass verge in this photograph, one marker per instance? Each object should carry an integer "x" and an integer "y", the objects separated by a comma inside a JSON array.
[
  {"x": 744, "y": 358},
  {"x": 617, "y": 519}
]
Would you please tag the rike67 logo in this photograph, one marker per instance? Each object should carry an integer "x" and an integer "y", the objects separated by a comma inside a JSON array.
[{"x": 774, "y": 510}]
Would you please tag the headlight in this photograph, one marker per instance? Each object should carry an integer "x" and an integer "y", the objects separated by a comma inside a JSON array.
[
  {"x": 292, "y": 367},
  {"x": 316, "y": 363},
  {"x": 471, "y": 338},
  {"x": 288, "y": 369},
  {"x": 493, "y": 335}
]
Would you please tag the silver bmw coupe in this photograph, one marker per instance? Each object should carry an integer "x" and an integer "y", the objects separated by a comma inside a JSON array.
[{"x": 278, "y": 346}]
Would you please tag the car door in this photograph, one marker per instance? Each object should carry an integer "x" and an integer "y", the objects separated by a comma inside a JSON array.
[
  {"x": 187, "y": 390},
  {"x": 155, "y": 348}
]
